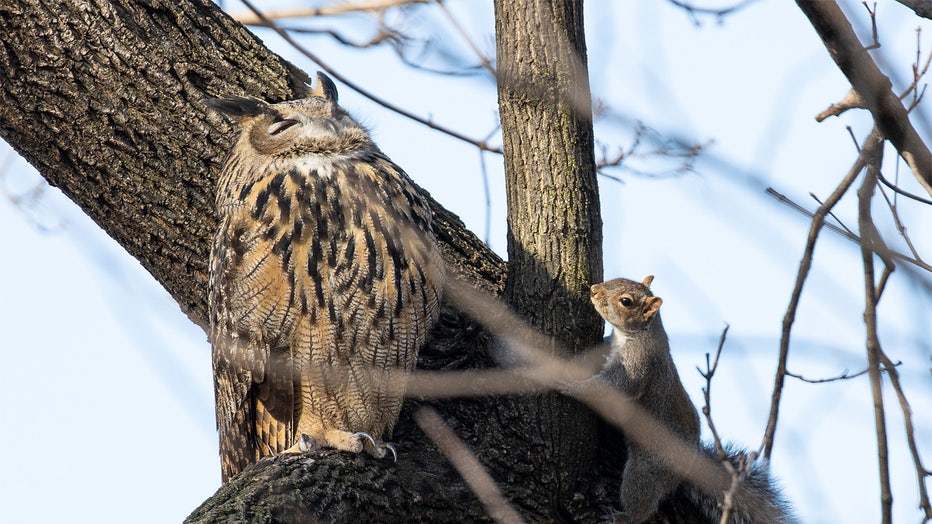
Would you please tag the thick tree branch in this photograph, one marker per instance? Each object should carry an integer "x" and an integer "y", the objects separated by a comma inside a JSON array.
[
  {"x": 130, "y": 142},
  {"x": 872, "y": 85},
  {"x": 922, "y": 8}
]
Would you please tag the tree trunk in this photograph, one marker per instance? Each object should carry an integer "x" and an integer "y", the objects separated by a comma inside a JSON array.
[
  {"x": 103, "y": 98},
  {"x": 554, "y": 225}
]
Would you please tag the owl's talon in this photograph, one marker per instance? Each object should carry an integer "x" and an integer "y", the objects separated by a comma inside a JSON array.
[
  {"x": 391, "y": 447},
  {"x": 368, "y": 437}
]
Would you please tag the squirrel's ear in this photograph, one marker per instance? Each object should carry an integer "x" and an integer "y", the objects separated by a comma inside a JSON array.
[
  {"x": 647, "y": 280},
  {"x": 653, "y": 306},
  {"x": 325, "y": 88}
]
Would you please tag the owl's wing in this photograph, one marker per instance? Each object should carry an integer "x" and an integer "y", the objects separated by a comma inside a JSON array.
[
  {"x": 234, "y": 409},
  {"x": 252, "y": 371},
  {"x": 384, "y": 285}
]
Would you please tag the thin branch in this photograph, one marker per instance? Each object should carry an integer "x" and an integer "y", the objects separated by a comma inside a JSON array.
[
  {"x": 850, "y": 234},
  {"x": 737, "y": 475},
  {"x": 845, "y": 375},
  {"x": 328, "y": 10},
  {"x": 900, "y": 227},
  {"x": 385, "y": 35},
  {"x": 381, "y": 37},
  {"x": 874, "y": 87},
  {"x": 662, "y": 148},
  {"x": 355, "y": 87},
  {"x": 873, "y": 15},
  {"x": 906, "y": 194},
  {"x": 872, "y": 142},
  {"x": 718, "y": 12},
  {"x": 844, "y": 231},
  {"x": 467, "y": 465},
  {"x": 868, "y": 232},
  {"x": 917, "y": 74},
  {"x": 707, "y": 391},
  {"x": 486, "y": 63},
  {"x": 921, "y": 472}
]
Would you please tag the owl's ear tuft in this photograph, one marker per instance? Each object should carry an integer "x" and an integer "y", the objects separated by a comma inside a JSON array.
[
  {"x": 325, "y": 88},
  {"x": 237, "y": 107}
]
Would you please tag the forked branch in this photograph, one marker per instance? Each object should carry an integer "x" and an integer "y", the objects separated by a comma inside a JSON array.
[
  {"x": 872, "y": 143},
  {"x": 874, "y": 87}
]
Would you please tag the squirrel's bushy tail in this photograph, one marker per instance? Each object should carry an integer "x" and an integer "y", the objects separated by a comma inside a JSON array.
[{"x": 758, "y": 500}]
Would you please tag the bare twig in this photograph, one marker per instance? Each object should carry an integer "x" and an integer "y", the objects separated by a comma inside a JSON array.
[
  {"x": 921, "y": 472},
  {"x": 660, "y": 147},
  {"x": 917, "y": 74},
  {"x": 851, "y": 100},
  {"x": 737, "y": 474},
  {"x": 707, "y": 391},
  {"x": 467, "y": 465},
  {"x": 364, "y": 92},
  {"x": 845, "y": 375},
  {"x": 906, "y": 194},
  {"x": 873, "y": 15},
  {"x": 874, "y": 87},
  {"x": 900, "y": 227},
  {"x": 874, "y": 141},
  {"x": 381, "y": 37},
  {"x": 486, "y": 63},
  {"x": 868, "y": 232},
  {"x": 718, "y": 12},
  {"x": 841, "y": 224},
  {"x": 844, "y": 230},
  {"x": 328, "y": 10}
]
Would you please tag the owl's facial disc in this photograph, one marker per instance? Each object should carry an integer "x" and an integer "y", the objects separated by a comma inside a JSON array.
[{"x": 326, "y": 126}]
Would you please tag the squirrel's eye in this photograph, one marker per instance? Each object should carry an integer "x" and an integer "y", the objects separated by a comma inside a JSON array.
[{"x": 626, "y": 301}]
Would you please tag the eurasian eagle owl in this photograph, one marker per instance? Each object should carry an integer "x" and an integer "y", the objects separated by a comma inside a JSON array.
[{"x": 325, "y": 279}]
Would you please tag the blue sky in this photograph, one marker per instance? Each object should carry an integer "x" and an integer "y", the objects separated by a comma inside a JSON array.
[{"x": 108, "y": 384}]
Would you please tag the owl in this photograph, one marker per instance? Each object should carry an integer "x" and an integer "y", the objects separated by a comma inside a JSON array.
[{"x": 325, "y": 279}]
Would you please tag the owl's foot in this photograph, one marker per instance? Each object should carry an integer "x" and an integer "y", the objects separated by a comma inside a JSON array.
[
  {"x": 333, "y": 438},
  {"x": 306, "y": 444},
  {"x": 363, "y": 435},
  {"x": 382, "y": 449}
]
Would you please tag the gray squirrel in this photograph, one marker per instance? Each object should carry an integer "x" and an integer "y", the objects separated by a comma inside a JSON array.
[{"x": 640, "y": 365}]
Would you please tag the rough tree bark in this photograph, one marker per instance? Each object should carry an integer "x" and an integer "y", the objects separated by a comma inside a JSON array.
[
  {"x": 103, "y": 98},
  {"x": 554, "y": 224}
]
